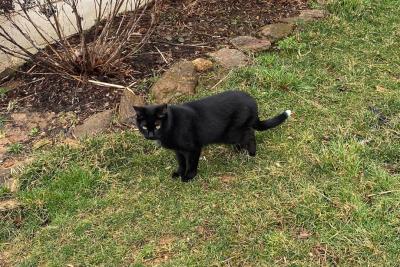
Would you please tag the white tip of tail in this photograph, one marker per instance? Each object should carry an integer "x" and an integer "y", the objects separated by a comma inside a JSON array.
[{"x": 288, "y": 113}]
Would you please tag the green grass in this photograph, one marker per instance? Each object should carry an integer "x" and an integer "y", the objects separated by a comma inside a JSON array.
[
  {"x": 34, "y": 131},
  {"x": 311, "y": 196},
  {"x": 15, "y": 148}
]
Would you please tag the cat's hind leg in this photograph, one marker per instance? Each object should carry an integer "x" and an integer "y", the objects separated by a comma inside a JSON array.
[
  {"x": 251, "y": 145},
  {"x": 248, "y": 142}
]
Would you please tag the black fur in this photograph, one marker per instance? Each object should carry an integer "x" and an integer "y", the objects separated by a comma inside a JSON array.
[{"x": 227, "y": 118}]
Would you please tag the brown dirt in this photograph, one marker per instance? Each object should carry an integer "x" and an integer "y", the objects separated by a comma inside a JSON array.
[{"x": 187, "y": 29}]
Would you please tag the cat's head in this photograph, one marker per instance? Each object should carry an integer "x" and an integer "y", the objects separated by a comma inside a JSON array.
[{"x": 150, "y": 120}]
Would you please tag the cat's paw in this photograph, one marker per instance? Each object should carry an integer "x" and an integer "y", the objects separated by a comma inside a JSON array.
[
  {"x": 177, "y": 174},
  {"x": 186, "y": 178}
]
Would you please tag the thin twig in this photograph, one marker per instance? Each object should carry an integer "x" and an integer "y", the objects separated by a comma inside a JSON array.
[
  {"x": 162, "y": 55},
  {"x": 326, "y": 197},
  {"x": 201, "y": 45},
  {"x": 35, "y": 81},
  {"x": 382, "y": 193},
  {"x": 220, "y": 81},
  {"x": 129, "y": 86},
  {"x": 31, "y": 69}
]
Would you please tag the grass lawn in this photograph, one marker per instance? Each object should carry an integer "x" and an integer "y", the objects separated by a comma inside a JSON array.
[{"x": 324, "y": 188}]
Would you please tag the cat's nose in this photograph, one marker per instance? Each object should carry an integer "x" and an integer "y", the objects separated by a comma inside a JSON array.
[{"x": 151, "y": 134}]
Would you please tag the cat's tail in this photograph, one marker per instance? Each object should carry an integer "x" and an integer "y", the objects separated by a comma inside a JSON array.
[{"x": 273, "y": 122}]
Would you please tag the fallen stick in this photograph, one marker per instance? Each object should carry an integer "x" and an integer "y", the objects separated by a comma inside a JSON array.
[
  {"x": 107, "y": 84},
  {"x": 220, "y": 81},
  {"x": 382, "y": 193},
  {"x": 162, "y": 55}
]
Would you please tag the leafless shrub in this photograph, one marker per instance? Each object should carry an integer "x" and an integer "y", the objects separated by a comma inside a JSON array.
[{"x": 102, "y": 49}]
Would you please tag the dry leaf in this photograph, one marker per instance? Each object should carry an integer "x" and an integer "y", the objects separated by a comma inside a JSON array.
[
  {"x": 381, "y": 89},
  {"x": 304, "y": 234}
]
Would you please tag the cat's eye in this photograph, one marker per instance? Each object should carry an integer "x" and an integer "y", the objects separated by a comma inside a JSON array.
[{"x": 144, "y": 127}]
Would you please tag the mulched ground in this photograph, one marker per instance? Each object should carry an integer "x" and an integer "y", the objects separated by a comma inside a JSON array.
[{"x": 186, "y": 29}]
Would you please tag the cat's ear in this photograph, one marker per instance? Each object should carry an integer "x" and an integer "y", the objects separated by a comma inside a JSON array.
[{"x": 163, "y": 111}]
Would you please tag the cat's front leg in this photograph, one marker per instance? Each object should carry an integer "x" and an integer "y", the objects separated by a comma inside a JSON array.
[
  {"x": 181, "y": 165},
  {"x": 192, "y": 161}
]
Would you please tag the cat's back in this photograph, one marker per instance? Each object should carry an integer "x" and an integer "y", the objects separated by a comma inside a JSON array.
[{"x": 222, "y": 100}]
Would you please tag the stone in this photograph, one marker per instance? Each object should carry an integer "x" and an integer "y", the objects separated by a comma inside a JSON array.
[
  {"x": 202, "y": 64},
  {"x": 277, "y": 31},
  {"x": 32, "y": 119},
  {"x": 94, "y": 125},
  {"x": 250, "y": 44},
  {"x": 306, "y": 15},
  {"x": 180, "y": 79},
  {"x": 230, "y": 58},
  {"x": 126, "y": 113}
]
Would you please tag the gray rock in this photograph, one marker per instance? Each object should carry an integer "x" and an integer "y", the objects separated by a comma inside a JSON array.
[
  {"x": 93, "y": 125},
  {"x": 230, "y": 58},
  {"x": 250, "y": 44},
  {"x": 126, "y": 113},
  {"x": 277, "y": 31},
  {"x": 180, "y": 79},
  {"x": 31, "y": 120},
  {"x": 306, "y": 16}
]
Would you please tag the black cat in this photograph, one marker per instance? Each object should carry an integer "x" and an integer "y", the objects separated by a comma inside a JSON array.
[{"x": 227, "y": 118}]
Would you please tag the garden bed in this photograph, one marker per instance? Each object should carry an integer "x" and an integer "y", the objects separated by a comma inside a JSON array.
[{"x": 186, "y": 29}]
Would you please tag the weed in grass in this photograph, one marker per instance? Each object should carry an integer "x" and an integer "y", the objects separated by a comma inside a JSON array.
[
  {"x": 15, "y": 148},
  {"x": 3, "y": 91},
  {"x": 291, "y": 43},
  {"x": 34, "y": 131}
]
